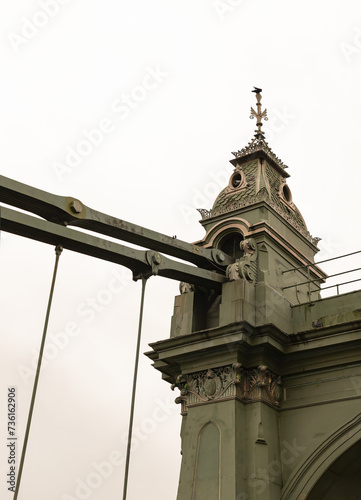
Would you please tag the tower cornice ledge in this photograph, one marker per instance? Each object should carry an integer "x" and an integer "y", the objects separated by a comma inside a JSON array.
[
  {"x": 261, "y": 345},
  {"x": 259, "y": 152}
]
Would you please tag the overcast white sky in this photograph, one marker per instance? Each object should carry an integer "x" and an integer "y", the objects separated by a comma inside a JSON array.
[{"x": 170, "y": 85}]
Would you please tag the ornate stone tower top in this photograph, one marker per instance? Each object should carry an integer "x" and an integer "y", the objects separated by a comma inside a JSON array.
[
  {"x": 257, "y": 205},
  {"x": 259, "y": 176}
]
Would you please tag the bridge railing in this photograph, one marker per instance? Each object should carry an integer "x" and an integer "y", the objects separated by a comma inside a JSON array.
[{"x": 315, "y": 282}]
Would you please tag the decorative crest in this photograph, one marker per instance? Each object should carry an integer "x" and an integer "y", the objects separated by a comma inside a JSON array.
[{"x": 259, "y": 114}]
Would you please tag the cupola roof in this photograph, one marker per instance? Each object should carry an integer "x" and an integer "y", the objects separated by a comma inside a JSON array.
[{"x": 259, "y": 176}]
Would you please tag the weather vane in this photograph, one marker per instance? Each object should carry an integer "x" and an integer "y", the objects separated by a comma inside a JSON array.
[{"x": 259, "y": 114}]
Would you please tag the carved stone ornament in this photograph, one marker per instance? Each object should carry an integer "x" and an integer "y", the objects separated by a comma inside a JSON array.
[
  {"x": 229, "y": 382},
  {"x": 243, "y": 268},
  {"x": 262, "y": 383},
  {"x": 259, "y": 144},
  {"x": 232, "y": 272},
  {"x": 240, "y": 270},
  {"x": 261, "y": 196},
  {"x": 249, "y": 247},
  {"x": 185, "y": 287},
  {"x": 204, "y": 213}
]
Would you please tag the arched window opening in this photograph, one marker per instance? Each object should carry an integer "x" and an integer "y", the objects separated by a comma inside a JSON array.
[
  {"x": 207, "y": 468},
  {"x": 231, "y": 244}
]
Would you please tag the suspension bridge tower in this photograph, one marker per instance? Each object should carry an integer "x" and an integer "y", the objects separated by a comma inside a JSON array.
[{"x": 269, "y": 373}]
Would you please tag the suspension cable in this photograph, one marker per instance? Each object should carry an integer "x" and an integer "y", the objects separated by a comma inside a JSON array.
[
  {"x": 130, "y": 430},
  {"x": 58, "y": 250}
]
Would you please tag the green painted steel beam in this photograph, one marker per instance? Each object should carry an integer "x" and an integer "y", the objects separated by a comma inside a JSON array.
[
  {"x": 71, "y": 211},
  {"x": 139, "y": 261}
]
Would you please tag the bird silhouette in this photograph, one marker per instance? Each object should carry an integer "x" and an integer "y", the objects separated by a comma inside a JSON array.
[{"x": 257, "y": 90}]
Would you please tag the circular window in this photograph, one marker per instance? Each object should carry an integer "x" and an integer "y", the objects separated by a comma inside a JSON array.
[
  {"x": 236, "y": 180},
  {"x": 287, "y": 193}
]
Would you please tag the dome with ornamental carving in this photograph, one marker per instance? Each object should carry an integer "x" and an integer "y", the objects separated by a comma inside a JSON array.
[
  {"x": 256, "y": 179},
  {"x": 259, "y": 176}
]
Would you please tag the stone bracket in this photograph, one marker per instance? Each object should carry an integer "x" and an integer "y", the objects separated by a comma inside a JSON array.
[{"x": 243, "y": 268}]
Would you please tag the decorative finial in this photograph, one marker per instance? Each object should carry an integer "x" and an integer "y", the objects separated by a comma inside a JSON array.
[{"x": 259, "y": 114}]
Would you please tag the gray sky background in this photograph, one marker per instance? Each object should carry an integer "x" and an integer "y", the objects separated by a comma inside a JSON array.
[{"x": 169, "y": 85}]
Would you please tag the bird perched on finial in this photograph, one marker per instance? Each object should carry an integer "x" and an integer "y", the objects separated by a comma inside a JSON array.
[{"x": 259, "y": 114}]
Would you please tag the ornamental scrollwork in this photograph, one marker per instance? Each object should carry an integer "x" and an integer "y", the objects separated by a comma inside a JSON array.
[
  {"x": 228, "y": 382},
  {"x": 208, "y": 385},
  {"x": 254, "y": 199},
  {"x": 262, "y": 383},
  {"x": 204, "y": 213},
  {"x": 259, "y": 144},
  {"x": 242, "y": 268}
]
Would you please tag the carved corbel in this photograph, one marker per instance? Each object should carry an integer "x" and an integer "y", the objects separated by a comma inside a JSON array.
[
  {"x": 242, "y": 269},
  {"x": 262, "y": 384}
]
